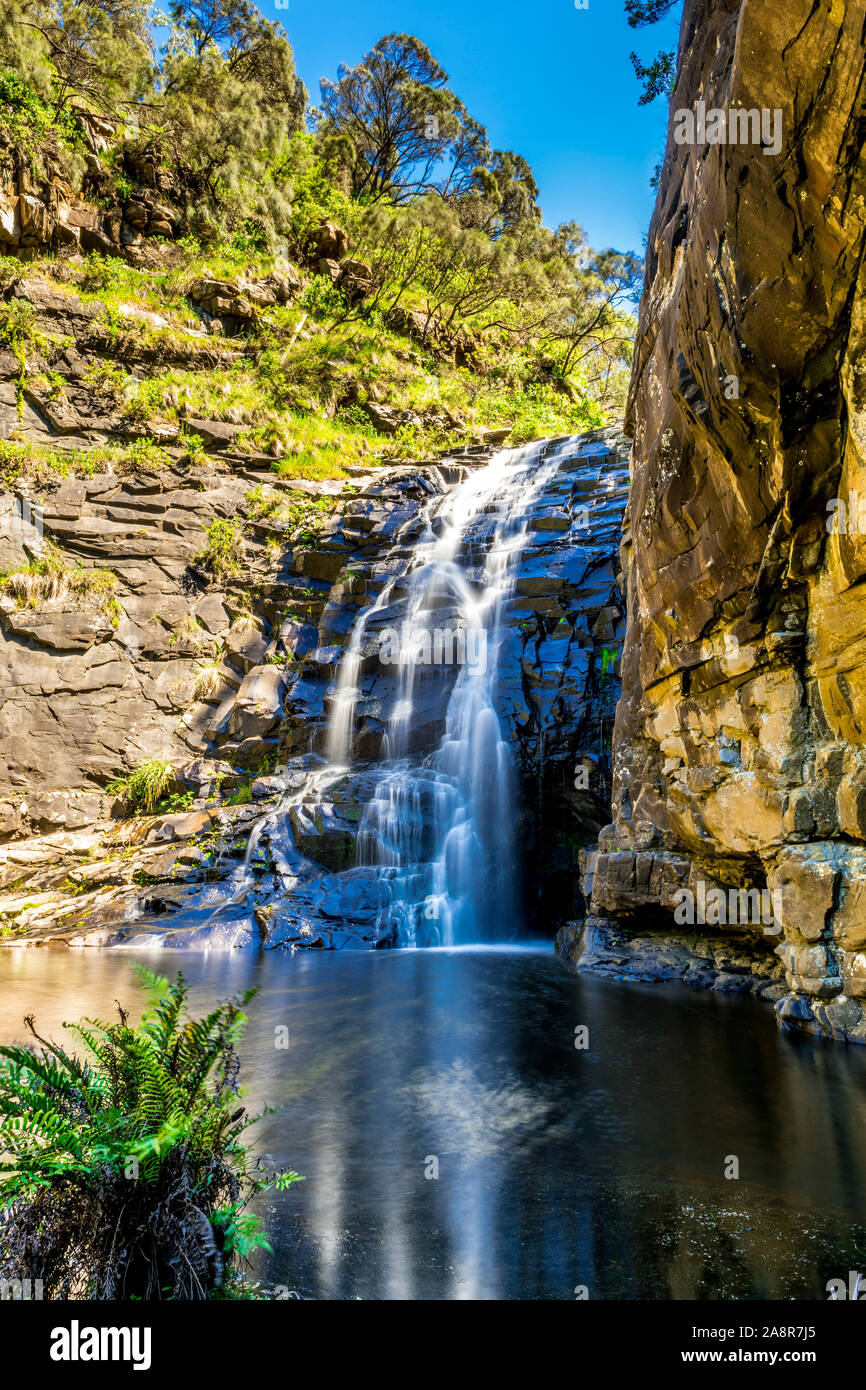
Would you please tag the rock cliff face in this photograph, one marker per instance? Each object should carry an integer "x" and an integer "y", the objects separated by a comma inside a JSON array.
[
  {"x": 122, "y": 643},
  {"x": 49, "y": 209},
  {"x": 229, "y": 677},
  {"x": 740, "y": 745}
]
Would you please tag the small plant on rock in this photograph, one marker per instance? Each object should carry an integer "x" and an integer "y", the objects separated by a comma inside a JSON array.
[
  {"x": 143, "y": 787},
  {"x": 18, "y": 333},
  {"x": 242, "y": 797},
  {"x": 104, "y": 273},
  {"x": 223, "y": 555},
  {"x": 194, "y": 445},
  {"x": 107, "y": 379},
  {"x": 208, "y": 678}
]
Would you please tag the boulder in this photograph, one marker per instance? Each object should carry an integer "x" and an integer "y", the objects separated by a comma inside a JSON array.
[
  {"x": 329, "y": 241},
  {"x": 355, "y": 279},
  {"x": 214, "y": 434},
  {"x": 61, "y": 629}
]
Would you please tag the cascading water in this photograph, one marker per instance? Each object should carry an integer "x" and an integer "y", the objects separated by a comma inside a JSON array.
[
  {"x": 478, "y": 667},
  {"x": 440, "y": 831}
]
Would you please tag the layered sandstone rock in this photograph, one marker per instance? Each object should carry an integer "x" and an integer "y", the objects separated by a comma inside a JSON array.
[
  {"x": 86, "y": 695},
  {"x": 740, "y": 748}
]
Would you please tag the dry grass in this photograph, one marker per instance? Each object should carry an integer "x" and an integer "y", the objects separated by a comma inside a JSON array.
[
  {"x": 208, "y": 680},
  {"x": 50, "y": 578}
]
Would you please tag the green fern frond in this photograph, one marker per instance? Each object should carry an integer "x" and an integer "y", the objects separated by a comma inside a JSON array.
[{"x": 138, "y": 1146}]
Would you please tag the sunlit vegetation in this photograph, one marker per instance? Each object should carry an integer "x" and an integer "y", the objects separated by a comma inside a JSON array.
[
  {"x": 125, "y": 1172},
  {"x": 51, "y": 577},
  {"x": 470, "y": 315},
  {"x": 223, "y": 552},
  {"x": 24, "y": 458},
  {"x": 143, "y": 788}
]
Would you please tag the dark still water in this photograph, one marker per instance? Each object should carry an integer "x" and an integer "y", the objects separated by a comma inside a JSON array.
[{"x": 557, "y": 1167}]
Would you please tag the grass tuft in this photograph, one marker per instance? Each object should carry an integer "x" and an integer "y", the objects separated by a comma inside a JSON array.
[{"x": 143, "y": 787}]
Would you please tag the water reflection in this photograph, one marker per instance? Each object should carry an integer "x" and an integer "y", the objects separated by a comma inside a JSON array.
[{"x": 556, "y": 1167}]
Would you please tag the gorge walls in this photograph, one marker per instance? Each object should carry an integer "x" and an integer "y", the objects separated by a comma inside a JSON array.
[
  {"x": 739, "y": 746},
  {"x": 233, "y": 679}
]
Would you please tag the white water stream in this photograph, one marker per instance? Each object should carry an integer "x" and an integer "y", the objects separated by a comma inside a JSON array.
[
  {"x": 438, "y": 830},
  {"x": 442, "y": 831}
]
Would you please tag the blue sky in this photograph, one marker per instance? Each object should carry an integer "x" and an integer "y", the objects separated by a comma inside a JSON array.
[{"x": 548, "y": 80}]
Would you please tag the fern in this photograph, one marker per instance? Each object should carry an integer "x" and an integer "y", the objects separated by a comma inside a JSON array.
[{"x": 124, "y": 1173}]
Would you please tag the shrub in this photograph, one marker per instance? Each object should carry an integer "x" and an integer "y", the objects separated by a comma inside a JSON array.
[
  {"x": 29, "y": 119},
  {"x": 107, "y": 379},
  {"x": 143, "y": 787},
  {"x": 18, "y": 333},
  {"x": 125, "y": 1174},
  {"x": 223, "y": 555},
  {"x": 145, "y": 403},
  {"x": 194, "y": 445},
  {"x": 321, "y": 299},
  {"x": 103, "y": 273},
  {"x": 143, "y": 453},
  {"x": 10, "y": 271}
]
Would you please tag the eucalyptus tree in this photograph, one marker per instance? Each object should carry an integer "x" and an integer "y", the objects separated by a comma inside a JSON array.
[
  {"x": 97, "y": 53},
  {"x": 658, "y": 75},
  {"x": 409, "y": 134},
  {"x": 226, "y": 98}
]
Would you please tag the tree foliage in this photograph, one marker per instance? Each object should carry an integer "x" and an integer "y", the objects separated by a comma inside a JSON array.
[
  {"x": 407, "y": 132},
  {"x": 548, "y": 290},
  {"x": 213, "y": 108},
  {"x": 215, "y": 121},
  {"x": 641, "y": 12},
  {"x": 226, "y": 99},
  {"x": 96, "y": 51},
  {"x": 659, "y": 75}
]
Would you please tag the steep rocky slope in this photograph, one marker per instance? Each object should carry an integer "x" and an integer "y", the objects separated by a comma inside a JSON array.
[
  {"x": 739, "y": 746},
  {"x": 87, "y": 693},
  {"x": 168, "y": 593}
]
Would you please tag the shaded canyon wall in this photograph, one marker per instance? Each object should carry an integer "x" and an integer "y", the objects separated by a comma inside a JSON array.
[{"x": 739, "y": 743}]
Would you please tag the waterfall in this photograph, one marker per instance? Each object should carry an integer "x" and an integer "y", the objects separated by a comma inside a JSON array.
[
  {"x": 474, "y": 654},
  {"x": 439, "y": 827}
]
